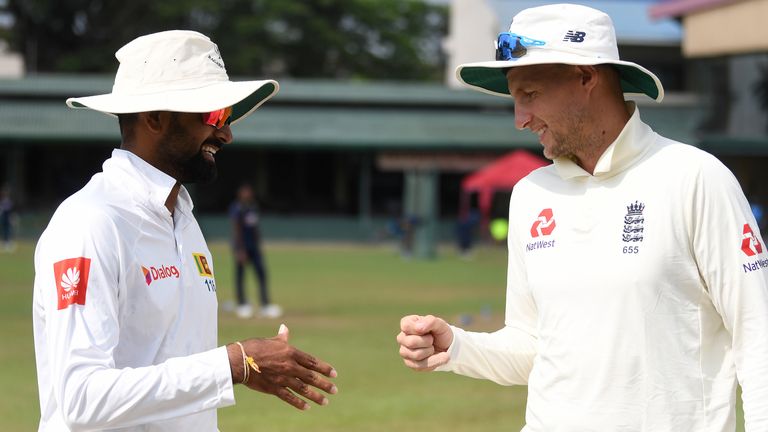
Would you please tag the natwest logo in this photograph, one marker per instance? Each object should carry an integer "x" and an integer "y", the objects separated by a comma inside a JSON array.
[
  {"x": 155, "y": 273},
  {"x": 750, "y": 244},
  {"x": 71, "y": 277},
  {"x": 544, "y": 225}
]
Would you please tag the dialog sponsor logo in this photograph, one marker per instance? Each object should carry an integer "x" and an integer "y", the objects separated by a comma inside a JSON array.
[{"x": 154, "y": 273}]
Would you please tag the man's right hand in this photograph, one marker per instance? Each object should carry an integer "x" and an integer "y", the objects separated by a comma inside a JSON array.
[
  {"x": 286, "y": 372},
  {"x": 424, "y": 341}
]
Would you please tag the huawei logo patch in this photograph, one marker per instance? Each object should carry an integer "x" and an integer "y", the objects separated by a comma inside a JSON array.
[{"x": 71, "y": 277}]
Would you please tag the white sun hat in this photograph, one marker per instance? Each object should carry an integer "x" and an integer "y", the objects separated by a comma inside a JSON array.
[
  {"x": 176, "y": 70},
  {"x": 560, "y": 33}
]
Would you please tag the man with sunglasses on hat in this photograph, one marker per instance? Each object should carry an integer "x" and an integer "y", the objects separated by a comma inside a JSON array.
[
  {"x": 637, "y": 292},
  {"x": 125, "y": 304}
]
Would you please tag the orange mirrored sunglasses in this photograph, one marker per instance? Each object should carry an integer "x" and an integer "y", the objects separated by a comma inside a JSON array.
[{"x": 218, "y": 118}]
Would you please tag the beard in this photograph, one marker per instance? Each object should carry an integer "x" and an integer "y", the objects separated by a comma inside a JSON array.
[
  {"x": 198, "y": 169},
  {"x": 575, "y": 142},
  {"x": 186, "y": 169}
]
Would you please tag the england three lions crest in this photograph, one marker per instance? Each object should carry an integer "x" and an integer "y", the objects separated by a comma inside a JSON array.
[{"x": 633, "y": 223}]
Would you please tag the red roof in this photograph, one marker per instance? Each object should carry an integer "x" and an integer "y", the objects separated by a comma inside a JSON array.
[{"x": 676, "y": 8}]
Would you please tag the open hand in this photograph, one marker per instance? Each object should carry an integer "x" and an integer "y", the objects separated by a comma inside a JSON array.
[{"x": 285, "y": 371}]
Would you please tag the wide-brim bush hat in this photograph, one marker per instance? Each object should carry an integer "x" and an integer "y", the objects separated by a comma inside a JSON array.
[
  {"x": 559, "y": 33},
  {"x": 176, "y": 70}
]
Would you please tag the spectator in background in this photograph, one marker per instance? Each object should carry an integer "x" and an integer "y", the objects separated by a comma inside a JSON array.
[
  {"x": 7, "y": 219},
  {"x": 408, "y": 225},
  {"x": 402, "y": 227},
  {"x": 465, "y": 231},
  {"x": 246, "y": 246}
]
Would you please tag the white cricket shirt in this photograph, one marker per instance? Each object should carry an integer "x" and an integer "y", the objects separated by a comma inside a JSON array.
[
  {"x": 635, "y": 298},
  {"x": 125, "y": 309}
]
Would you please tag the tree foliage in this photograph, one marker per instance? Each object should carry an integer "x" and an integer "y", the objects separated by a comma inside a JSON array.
[{"x": 377, "y": 39}]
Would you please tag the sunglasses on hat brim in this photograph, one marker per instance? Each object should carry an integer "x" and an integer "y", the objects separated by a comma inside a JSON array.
[{"x": 511, "y": 46}]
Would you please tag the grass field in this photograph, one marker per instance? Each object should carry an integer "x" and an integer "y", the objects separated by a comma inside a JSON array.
[{"x": 343, "y": 303}]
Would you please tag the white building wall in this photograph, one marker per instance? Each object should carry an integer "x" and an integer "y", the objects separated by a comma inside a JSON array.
[
  {"x": 11, "y": 64},
  {"x": 472, "y": 30}
]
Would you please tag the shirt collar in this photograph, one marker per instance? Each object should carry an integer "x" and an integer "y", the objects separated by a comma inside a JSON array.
[
  {"x": 628, "y": 147},
  {"x": 148, "y": 184}
]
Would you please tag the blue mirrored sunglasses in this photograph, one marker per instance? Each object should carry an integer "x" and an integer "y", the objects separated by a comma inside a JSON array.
[{"x": 511, "y": 46}]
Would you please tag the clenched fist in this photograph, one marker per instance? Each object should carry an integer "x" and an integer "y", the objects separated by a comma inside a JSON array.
[{"x": 424, "y": 341}]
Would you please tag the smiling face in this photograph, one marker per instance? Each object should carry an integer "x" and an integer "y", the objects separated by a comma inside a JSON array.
[
  {"x": 188, "y": 147},
  {"x": 549, "y": 101}
]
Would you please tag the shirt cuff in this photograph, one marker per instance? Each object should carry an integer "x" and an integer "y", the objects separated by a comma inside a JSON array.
[
  {"x": 453, "y": 349},
  {"x": 223, "y": 375}
]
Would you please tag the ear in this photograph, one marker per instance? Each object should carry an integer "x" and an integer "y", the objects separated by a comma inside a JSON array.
[
  {"x": 590, "y": 76},
  {"x": 155, "y": 122}
]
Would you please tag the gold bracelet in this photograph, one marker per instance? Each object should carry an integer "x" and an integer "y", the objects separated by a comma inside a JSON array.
[{"x": 246, "y": 372}]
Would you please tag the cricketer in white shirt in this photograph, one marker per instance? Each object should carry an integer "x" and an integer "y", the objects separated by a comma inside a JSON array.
[
  {"x": 636, "y": 298},
  {"x": 125, "y": 309}
]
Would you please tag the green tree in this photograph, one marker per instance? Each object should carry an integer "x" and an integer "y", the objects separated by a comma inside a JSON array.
[{"x": 376, "y": 39}]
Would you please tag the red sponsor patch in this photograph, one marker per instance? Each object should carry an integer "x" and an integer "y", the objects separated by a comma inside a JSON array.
[
  {"x": 750, "y": 244},
  {"x": 71, "y": 277},
  {"x": 544, "y": 224}
]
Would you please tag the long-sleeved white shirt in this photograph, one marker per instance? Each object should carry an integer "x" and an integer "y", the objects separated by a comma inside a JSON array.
[
  {"x": 125, "y": 309},
  {"x": 635, "y": 297}
]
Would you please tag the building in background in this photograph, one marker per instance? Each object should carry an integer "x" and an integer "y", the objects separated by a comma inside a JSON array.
[
  {"x": 329, "y": 159},
  {"x": 11, "y": 64},
  {"x": 333, "y": 160}
]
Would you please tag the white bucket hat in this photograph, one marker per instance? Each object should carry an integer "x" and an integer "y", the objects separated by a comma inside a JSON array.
[
  {"x": 567, "y": 34},
  {"x": 176, "y": 70}
]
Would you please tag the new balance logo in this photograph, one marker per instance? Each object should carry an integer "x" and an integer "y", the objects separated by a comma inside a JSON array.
[{"x": 574, "y": 36}]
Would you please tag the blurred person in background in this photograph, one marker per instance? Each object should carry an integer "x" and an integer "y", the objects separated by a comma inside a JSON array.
[
  {"x": 125, "y": 305},
  {"x": 466, "y": 229},
  {"x": 637, "y": 284},
  {"x": 8, "y": 219},
  {"x": 246, "y": 247}
]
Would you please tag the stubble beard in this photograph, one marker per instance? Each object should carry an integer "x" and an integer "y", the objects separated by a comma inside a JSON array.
[{"x": 578, "y": 143}]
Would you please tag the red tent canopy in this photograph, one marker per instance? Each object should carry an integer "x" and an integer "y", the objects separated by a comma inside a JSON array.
[{"x": 500, "y": 175}]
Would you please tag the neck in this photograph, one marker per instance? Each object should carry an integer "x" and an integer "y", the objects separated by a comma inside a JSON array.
[
  {"x": 170, "y": 202},
  {"x": 608, "y": 123}
]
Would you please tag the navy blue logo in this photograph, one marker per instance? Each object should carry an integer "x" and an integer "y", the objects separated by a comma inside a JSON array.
[
  {"x": 574, "y": 36},
  {"x": 633, "y": 223}
]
